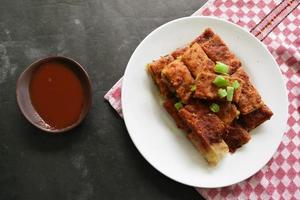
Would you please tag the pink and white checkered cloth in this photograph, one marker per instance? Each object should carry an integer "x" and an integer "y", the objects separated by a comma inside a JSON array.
[{"x": 277, "y": 24}]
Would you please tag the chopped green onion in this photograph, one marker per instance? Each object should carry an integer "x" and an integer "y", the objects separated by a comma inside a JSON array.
[
  {"x": 193, "y": 88},
  {"x": 220, "y": 81},
  {"x": 221, "y": 68},
  {"x": 235, "y": 84},
  {"x": 230, "y": 91},
  {"x": 214, "y": 107},
  {"x": 222, "y": 93},
  {"x": 178, "y": 105}
]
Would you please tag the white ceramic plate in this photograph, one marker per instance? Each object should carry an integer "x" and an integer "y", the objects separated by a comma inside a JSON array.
[{"x": 155, "y": 134}]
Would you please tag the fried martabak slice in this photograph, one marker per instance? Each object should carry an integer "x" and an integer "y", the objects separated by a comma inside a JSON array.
[
  {"x": 155, "y": 69},
  {"x": 170, "y": 108},
  {"x": 235, "y": 137},
  {"x": 228, "y": 112},
  {"x": 257, "y": 117},
  {"x": 212, "y": 153},
  {"x": 179, "y": 79},
  {"x": 217, "y": 50},
  {"x": 197, "y": 61},
  {"x": 250, "y": 99},
  {"x": 179, "y": 52},
  {"x": 206, "y": 131},
  {"x": 205, "y": 36},
  {"x": 206, "y": 89}
]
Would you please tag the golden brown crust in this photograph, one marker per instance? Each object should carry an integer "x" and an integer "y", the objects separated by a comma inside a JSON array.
[
  {"x": 197, "y": 61},
  {"x": 217, "y": 50},
  {"x": 228, "y": 112},
  {"x": 178, "y": 52},
  {"x": 197, "y": 107},
  {"x": 155, "y": 69},
  {"x": 178, "y": 78},
  {"x": 203, "y": 123},
  {"x": 205, "y": 36},
  {"x": 170, "y": 108},
  {"x": 206, "y": 131},
  {"x": 257, "y": 117},
  {"x": 235, "y": 137},
  {"x": 206, "y": 89},
  {"x": 250, "y": 99}
]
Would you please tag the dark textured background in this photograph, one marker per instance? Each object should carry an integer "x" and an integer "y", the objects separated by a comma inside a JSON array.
[{"x": 97, "y": 160}]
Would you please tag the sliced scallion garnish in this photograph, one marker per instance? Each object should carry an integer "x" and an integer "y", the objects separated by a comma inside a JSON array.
[
  {"x": 178, "y": 105},
  {"x": 235, "y": 84},
  {"x": 220, "y": 81},
  {"x": 214, "y": 107},
  {"x": 193, "y": 88},
  {"x": 222, "y": 93},
  {"x": 230, "y": 91},
  {"x": 221, "y": 68}
]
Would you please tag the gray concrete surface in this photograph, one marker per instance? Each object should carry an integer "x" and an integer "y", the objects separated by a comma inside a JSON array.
[{"x": 97, "y": 160}]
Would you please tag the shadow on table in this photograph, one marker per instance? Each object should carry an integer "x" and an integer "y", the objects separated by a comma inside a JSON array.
[{"x": 50, "y": 142}]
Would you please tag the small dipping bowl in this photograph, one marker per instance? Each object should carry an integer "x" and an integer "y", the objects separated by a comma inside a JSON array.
[{"x": 24, "y": 97}]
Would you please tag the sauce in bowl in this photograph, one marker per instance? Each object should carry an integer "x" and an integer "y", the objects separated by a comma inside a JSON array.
[{"x": 57, "y": 94}]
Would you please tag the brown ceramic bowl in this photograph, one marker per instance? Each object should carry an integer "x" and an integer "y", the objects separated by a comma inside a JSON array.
[{"x": 24, "y": 100}]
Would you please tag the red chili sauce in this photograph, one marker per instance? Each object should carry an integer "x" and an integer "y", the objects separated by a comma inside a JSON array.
[{"x": 57, "y": 94}]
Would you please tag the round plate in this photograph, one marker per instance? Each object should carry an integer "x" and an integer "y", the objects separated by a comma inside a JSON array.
[{"x": 155, "y": 134}]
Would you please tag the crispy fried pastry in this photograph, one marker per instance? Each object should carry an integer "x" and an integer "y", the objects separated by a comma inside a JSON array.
[
  {"x": 170, "y": 108},
  {"x": 228, "y": 112},
  {"x": 217, "y": 50},
  {"x": 155, "y": 69},
  {"x": 206, "y": 131},
  {"x": 179, "y": 52},
  {"x": 257, "y": 117},
  {"x": 197, "y": 61},
  {"x": 206, "y": 89},
  {"x": 235, "y": 136},
  {"x": 216, "y": 112},
  {"x": 250, "y": 99},
  {"x": 179, "y": 79}
]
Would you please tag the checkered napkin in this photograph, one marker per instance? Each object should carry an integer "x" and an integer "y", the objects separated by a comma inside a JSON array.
[{"x": 277, "y": 24}]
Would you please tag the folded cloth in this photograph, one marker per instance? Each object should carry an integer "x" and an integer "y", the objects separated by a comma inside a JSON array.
[{"x": 277, "y": 24}]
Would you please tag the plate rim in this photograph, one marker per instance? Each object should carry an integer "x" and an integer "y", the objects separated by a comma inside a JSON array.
[{"x": 250, "y": 35}]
